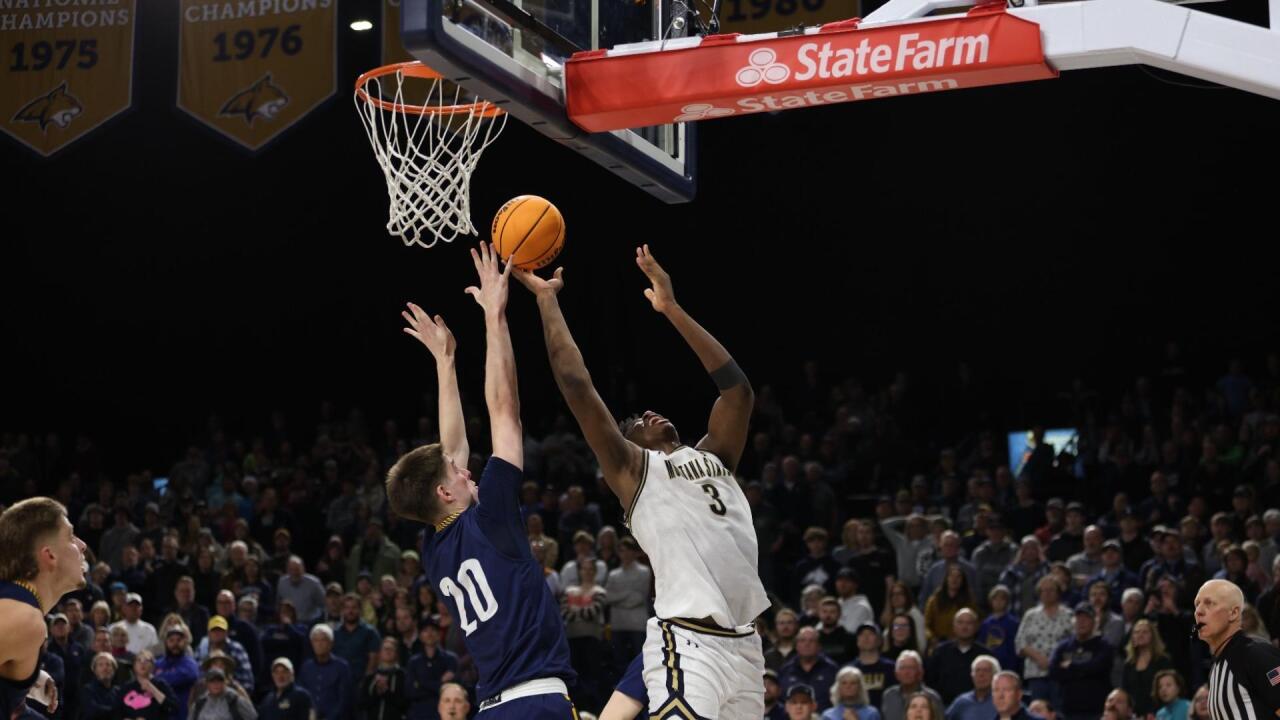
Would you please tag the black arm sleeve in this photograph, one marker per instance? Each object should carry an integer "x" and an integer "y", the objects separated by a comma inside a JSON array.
[{"x": 1263, "y": 662}]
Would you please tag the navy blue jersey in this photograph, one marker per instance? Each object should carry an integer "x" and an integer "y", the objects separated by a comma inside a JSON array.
[
  {"x": 13, "y": 693},
  {"x": 482, "y": 567}
]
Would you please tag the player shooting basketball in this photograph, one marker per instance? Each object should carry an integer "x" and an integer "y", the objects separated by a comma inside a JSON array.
[
  {"x": 476, "y": 552},
  {"x": 702, "y": 657}
]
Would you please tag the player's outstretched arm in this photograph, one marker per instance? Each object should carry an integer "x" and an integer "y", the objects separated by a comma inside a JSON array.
[
  {"x": 619, "y": 458},
  {"x": 433, "y": 333},
  {"x": 727, "y": 429},
  {"x": 500, "y": 391}
]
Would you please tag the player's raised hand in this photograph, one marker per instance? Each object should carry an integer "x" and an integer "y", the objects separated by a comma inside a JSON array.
[
  {"x": 429, "y": 331},
  {"x": 492, "y": 293},
  {"x": 661, "y": 295},
  {"x": 541, "y": 286}
]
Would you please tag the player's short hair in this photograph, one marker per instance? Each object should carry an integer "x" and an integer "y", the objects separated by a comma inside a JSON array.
[
  {"x": 23, "y": 527},
  {"x": 412, "y": 482},
  {"x": 628, "y": 423},
  {"x": 1015, "y": 677},
  {"x": 994, "y": 663}
]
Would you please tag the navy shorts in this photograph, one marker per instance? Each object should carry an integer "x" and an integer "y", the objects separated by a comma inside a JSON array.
[{"x": 548, "y": 706}]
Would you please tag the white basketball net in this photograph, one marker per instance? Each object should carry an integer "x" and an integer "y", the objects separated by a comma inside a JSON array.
[{"x": 427, "y": 157}]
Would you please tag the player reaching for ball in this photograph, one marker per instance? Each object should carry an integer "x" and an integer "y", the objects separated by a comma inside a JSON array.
[
  {"x": 702, "y": 656},
  {"x": 476, "y": 552}
]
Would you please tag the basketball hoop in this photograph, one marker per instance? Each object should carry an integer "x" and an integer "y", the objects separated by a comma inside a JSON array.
[{"x": 427, "y": 152}]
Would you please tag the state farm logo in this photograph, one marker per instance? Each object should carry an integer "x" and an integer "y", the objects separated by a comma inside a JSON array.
[
  {"x": 764, "y": 67},
  {"x": 701, "y": 111}
]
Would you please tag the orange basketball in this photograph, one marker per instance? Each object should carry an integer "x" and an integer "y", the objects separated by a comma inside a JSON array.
[{"x": 529, "y": 231}]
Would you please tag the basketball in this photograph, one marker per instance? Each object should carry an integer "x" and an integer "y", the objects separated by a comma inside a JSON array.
[{"x": 529, "y": 231}]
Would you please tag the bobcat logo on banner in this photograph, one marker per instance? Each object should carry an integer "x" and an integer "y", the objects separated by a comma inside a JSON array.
[
  {"x": 251, "y": 69},
  {"x": 68, "y": 69},
  {"x": 262, "y": 100},
  {"x": 58, "y": 107}
]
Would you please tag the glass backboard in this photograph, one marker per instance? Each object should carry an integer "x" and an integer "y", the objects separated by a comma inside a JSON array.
[{"x": 512, "y": 53}]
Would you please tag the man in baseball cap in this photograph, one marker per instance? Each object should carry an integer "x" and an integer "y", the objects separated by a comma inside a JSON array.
[
  {"x": 773, "y": 707},
  {"x": 287, "y": 701},
  {"x": 142, "y": 634},
  {"x": 219, "y": 641},
  {"x": 1081, "y": 665},
  {"x": 800, "y": 702}
]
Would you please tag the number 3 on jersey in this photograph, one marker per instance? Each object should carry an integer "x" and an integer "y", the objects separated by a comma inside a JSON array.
[
  {"x": 471, "y": 578},
  {"x": 717, "y": 507}
]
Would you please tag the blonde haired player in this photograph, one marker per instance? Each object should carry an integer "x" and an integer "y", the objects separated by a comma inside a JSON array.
[
  {"x": 43, "y": 561},
  {"x": 702, "y": 657}
]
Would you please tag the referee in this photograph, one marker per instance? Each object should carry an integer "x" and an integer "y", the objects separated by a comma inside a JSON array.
[{"x": 1244, "y": 683}]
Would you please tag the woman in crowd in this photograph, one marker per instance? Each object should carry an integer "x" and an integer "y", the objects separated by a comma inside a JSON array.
[
  {"x": 100, "y": 614},
  {"x": 147, "y": 697},
  {"x": 899, "y": 635},
  {"x": 383, "y": 693},
  {"x": 848, "y": 693},
  {"x": 919, "y": 707},
  {"x": 949, "y": 598},
  {"x": 1041, "y": 629},
  {"x": 1200, "y": 704},
  {"x": 1145, "y": 658}
]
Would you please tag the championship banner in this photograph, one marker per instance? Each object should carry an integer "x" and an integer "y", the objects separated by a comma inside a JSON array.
[
  {"x": 250, "y": 69},
  {"x": 760, "y": 16},
  {"x": 68, "y": 68},
  {"x": 392, "y": 46}
]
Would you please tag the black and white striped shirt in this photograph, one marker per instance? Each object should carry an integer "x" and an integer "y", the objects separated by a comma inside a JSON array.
[{"x": 1244, "y": 683}]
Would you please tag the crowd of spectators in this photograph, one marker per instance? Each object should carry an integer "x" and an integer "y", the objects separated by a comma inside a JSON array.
[{"x": 907, "y": 557}]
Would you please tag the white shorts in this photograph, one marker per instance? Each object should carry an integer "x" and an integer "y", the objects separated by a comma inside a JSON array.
[{"x": 692, "y": 672}]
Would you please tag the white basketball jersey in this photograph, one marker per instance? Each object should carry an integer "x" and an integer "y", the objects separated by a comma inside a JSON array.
[{"x": 694, "y": 522}]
